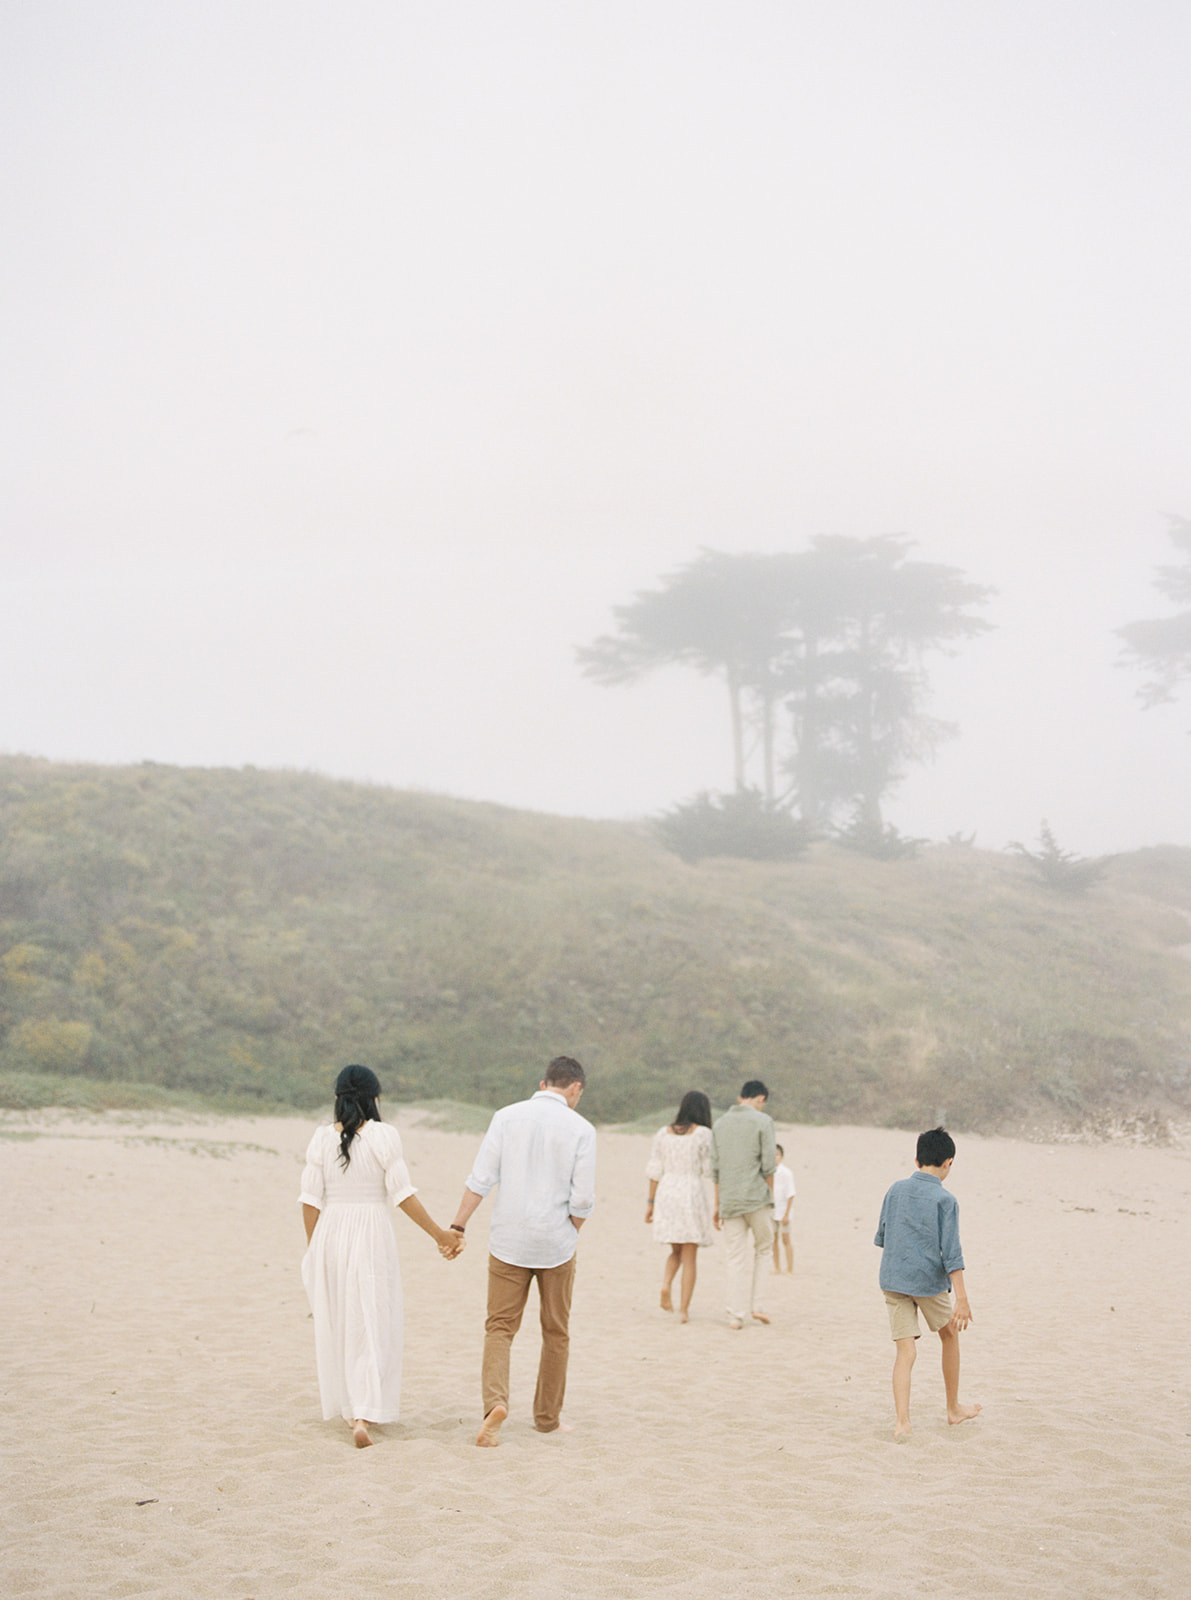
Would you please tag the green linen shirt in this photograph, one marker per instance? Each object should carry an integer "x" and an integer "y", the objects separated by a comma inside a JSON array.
[{"x": 743, "y": 1155}]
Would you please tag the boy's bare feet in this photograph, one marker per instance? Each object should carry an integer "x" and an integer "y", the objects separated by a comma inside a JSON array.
[
  {"x": 489, "y": 1434},
  {"x": 760, "y": 1316},
  {"x": 963, "y": 1413},
  {"x": 360, "y": 1434},
  {"x": 734, "y": 1323}
]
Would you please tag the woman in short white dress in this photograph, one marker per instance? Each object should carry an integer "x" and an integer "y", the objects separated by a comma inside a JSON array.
[
  {"x": 353, "y": 1171},
  {"x": 678, "y": 1205}
]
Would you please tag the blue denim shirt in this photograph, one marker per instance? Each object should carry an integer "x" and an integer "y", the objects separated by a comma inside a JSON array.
[{"x": 918, "y": 1235}]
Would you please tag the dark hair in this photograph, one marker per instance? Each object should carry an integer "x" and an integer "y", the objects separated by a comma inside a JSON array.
[
  {"x": 356, "y": 1089},
  {"x": 563, "y": 1071},
  {"x": 781, "y": 1149},
  {"x": 694, "y": 1112},
  {"x": 753, "y": 1088},
  {"x": 934, "y": 1147}
]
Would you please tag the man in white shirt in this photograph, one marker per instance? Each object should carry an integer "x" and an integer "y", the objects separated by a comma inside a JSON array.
[{"x": 541, "y": 1152}]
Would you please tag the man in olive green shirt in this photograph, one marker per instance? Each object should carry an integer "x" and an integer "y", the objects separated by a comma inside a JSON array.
[{"x": 743, "y": 1159}]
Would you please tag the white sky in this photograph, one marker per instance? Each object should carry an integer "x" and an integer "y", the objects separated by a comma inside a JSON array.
[{"x": 358, "y": 358}]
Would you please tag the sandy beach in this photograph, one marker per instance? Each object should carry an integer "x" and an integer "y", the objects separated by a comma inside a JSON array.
[{"x": 162, "y": 1437}]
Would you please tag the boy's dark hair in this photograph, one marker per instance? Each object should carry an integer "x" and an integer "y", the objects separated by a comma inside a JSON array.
[
  {"x": 753, "y": 1088},
  {"x": 779, "y": 1149},
  {"x": 563, "y": 1071},
  {"x": 934, "y": 1147}
]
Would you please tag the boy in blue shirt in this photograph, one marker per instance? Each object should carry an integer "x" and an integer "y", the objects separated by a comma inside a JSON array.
[{"x": 921, "y": 1264}]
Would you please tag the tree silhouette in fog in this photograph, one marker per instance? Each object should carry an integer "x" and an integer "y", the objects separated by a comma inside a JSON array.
[
  {"x": 1162, "y": 645},
  {"x": 821, "y": 651}
]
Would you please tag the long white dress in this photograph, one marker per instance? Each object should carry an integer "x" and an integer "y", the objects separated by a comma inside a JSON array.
[
  {"x": 681, "y": 1165},
  {"x": 351, "y": 1271}
]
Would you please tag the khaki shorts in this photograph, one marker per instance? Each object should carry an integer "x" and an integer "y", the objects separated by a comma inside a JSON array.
[{"x": 904, "y": 1308}]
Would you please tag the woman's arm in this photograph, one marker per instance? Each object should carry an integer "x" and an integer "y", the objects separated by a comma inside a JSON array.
[
  {"x": 449, "y": 1243},
  {"x": 309, "y": 1217}
]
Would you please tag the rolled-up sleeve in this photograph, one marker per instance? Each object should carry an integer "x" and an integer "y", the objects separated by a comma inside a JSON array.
[
  {"x": 953, "y": 1256},
  {"x": 583, "y": 1176},
  {"x": 768, "y": 1150},
  {"x": 485, "y": 1174}
]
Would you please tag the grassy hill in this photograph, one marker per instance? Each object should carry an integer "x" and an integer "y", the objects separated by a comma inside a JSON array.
[{"x": 239, "y": 935}]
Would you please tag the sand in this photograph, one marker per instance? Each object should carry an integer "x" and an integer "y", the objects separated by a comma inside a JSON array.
[{"x": 162, "y": 1437}]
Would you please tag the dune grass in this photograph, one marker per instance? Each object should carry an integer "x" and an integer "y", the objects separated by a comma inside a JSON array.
[{"x": 234, "y": 937}]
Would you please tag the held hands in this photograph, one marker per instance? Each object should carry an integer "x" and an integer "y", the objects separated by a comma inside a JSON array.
[{"x": 451, "y": 1245}]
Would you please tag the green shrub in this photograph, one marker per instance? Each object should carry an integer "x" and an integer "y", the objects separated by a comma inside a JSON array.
[{"x": 743, "y": 824}]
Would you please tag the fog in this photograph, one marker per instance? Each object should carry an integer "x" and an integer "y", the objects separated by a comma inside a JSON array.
[{"x": 359, "y": 358}]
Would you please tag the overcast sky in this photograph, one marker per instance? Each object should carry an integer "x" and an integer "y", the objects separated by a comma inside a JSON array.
[{"x": 360, "y": 357}]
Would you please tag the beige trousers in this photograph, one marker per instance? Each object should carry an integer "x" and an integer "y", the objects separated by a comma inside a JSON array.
[
  {"x": 508, "y": 1291},
  {"x": 747, "y": 1241}
]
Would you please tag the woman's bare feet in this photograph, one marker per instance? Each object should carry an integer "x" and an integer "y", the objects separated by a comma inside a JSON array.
[
  {"x": 684, "y": 1315},
  {"x": 489, "y": 1434},
  {"x": 963, "y": 1413},
  {"x": 666, "y": 1303},
  {"x": 360, "y": 1434}
]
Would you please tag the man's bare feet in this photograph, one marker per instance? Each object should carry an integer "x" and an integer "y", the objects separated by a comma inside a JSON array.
[
  {"x": 666, "y": 1303},
  {"x": 963, "y": 1414},
  {"x": 360, "y": 1434},
  {"x": 563, "y": 1427},
  {"x": 489, "y": 1434},
  {"x": 760, "y": 1316}
]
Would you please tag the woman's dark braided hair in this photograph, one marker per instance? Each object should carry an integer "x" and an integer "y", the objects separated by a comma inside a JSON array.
[{"x": 356, "y": 1089}]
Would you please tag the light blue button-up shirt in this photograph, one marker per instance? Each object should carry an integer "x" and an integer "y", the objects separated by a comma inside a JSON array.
[
  {"x": 919, "y": 1237},
  {"x": 542, "y": 1155}
]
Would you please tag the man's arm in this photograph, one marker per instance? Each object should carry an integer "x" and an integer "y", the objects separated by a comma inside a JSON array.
[
  {"x": 467, "y": 1206},
  {"x": 582, "y": 1197},
  {"x": 768, "y": 1151}
]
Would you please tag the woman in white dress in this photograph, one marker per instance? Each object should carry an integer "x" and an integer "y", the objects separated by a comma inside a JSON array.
[
  {"x": 353, "y": 1171},
  {"x": 678, "y": 1205}
]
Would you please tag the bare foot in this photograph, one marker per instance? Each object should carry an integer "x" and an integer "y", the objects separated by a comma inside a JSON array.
[
  {"x": 684, "y": 1315},
  {"x": 901, "y": 1433},
  {"x": 964, "y": 1414},
  {"x": 734, "y": 1322},
  {"x": 666, "y": 1303},
  {"x": 760, "y": 1316},
  {"x": 563, "y": 1427},
  {"x": 360, "y": 1434},
  {"x": 489, "y": 1434}
]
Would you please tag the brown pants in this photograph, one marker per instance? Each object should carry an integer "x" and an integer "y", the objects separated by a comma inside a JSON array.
[{"x": 508, "y": 1291}]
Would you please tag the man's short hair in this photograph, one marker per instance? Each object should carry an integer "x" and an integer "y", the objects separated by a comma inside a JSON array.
[
  {"x": 563, "y": 1071},
  {"x": 934, "y": 1147},
  {"x": 753, "y": 1088}
]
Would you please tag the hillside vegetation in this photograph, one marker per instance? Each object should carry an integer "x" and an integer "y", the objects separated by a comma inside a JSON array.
[{"x": 237, "y": 936}]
